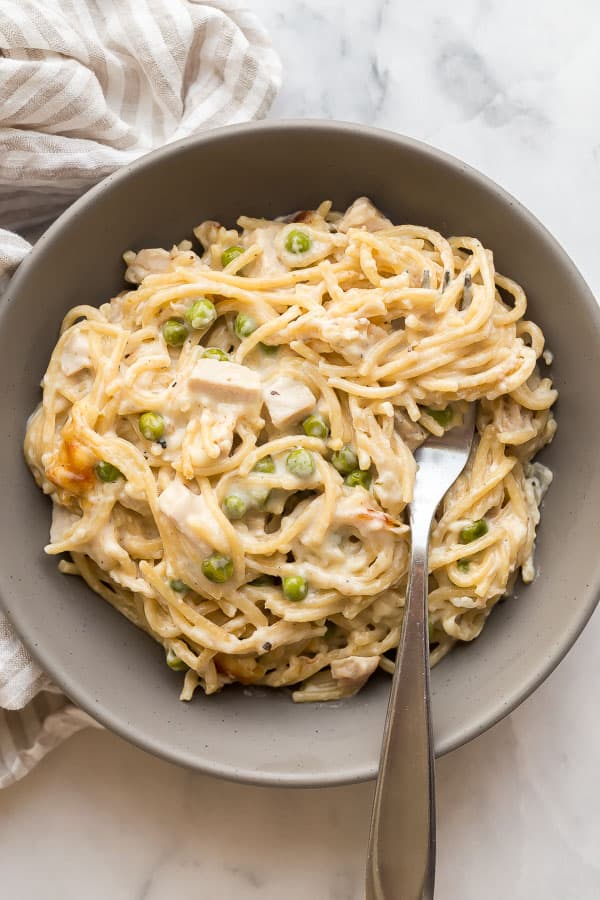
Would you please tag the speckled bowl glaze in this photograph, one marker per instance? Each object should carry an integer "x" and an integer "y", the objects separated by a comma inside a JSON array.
[{"x": 116, "y": 672}]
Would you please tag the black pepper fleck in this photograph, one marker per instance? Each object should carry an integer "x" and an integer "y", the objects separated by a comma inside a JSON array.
[{"x": 267, "y": 646}]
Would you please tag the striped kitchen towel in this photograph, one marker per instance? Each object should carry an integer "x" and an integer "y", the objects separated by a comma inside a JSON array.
[{"x": 87, "y": 86}]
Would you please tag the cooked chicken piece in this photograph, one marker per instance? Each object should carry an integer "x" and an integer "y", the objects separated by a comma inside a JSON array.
[
  {"x": 351, "y": 673},
  {"x": 192, "y": 532},
  {"x": 287, "y": 400},
  {"x": 189, "y": 513},
  {"x": 208, "y": 232},
  {"x": 224, "y": 382},
  {"x": 268, "y": 264},
  {"x": 146, "y": 262},
  {"x": 76, "y": 353},
  {"x": 363, "y": 214},
  {"x": 356, "y": 508}
]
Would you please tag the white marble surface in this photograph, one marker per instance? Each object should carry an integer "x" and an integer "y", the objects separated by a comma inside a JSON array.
[{"x": 513, "y": 88}]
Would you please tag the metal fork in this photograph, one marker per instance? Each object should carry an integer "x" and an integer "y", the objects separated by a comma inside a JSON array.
[{"x": 401, "y": 858}]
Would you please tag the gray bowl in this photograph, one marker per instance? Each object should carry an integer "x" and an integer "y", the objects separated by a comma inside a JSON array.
[{"x": 117, "y": 673}]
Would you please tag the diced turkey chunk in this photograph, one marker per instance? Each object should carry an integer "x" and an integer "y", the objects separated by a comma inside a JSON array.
[
  {"x": 287, "y": 400},
  {"x": 363, "y": 214},
  {"x": 208, "y": 232},
  {"x": 76, "y": 353},
  {"x": 62, "y": 521},
  {"x": 351, "y": 336},
  {"x": 224, "y": 382},
  {"x": 356, "y": 510},
  {"x": 192, "y": 532},
  {"x": 207, "y": 408},
  {"x": 133, "y": 498},
  {"x": 268, "y": 263},
  {"x": 182, "y": 507},
  {"x": 189, "y": 513},
  {"x": 351, "y": 673},
  {"x": 146, "y": 262}
]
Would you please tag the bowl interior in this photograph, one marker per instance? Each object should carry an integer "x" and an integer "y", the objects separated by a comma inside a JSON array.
[{"x": 117, "y": 673}]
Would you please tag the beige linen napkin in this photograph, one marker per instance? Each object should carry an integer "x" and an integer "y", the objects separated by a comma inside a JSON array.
[{"x": 85, "y": 87}]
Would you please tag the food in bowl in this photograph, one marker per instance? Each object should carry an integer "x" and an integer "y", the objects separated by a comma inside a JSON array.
[{"x": 229, "y": 445}]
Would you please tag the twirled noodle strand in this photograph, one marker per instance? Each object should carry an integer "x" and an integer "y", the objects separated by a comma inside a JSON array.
[{"x": 229, "y": 446}]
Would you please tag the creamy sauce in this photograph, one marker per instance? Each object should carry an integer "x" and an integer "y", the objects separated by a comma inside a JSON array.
[{"x": 233, "y": 537}]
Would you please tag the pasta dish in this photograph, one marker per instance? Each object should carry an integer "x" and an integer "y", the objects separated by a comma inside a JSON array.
[{"x": 228, "y": 445}]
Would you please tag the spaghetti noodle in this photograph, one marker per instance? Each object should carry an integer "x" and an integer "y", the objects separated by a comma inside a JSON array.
[{"x": 229, "y": 445}]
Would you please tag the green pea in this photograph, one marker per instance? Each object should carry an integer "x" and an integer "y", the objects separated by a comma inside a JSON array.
[
  {"x": 230, "y": 254},
  {"x": 217, "y": 568},
  {"x": 107, "y": 472},
  {"x": 473, "y": 531},
  {"x": 266, "y": 465},
  {"x": 463, "y": 565},
  {"x": 215, "y": 353},
  {"x": 180, "y": 587},
  {"x": 315, "y": 426},
  {"x": 345, "y": 460},
  {"x": 269, "y": 349},
  {"x": 298, "y": 241},
  {"x": 442, "y": 416},
  {"x": 174, "y": 662},
  {"x": 174, "y": 332},
  {"x": 295, "y": 587},
  {"x": 152, "y": 426},
  {"x": 201, "y": 313},
  {"x": 264, "y": 580},
  {"x": 359, "y": 478},
  {"x": 244, "y": 325},
  {"x": 300, "y": 462},
  {"x": 234, "y": 506}
]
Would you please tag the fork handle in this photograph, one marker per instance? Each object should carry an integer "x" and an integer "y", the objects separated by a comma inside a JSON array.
[{"x": 401, "y": 858}]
